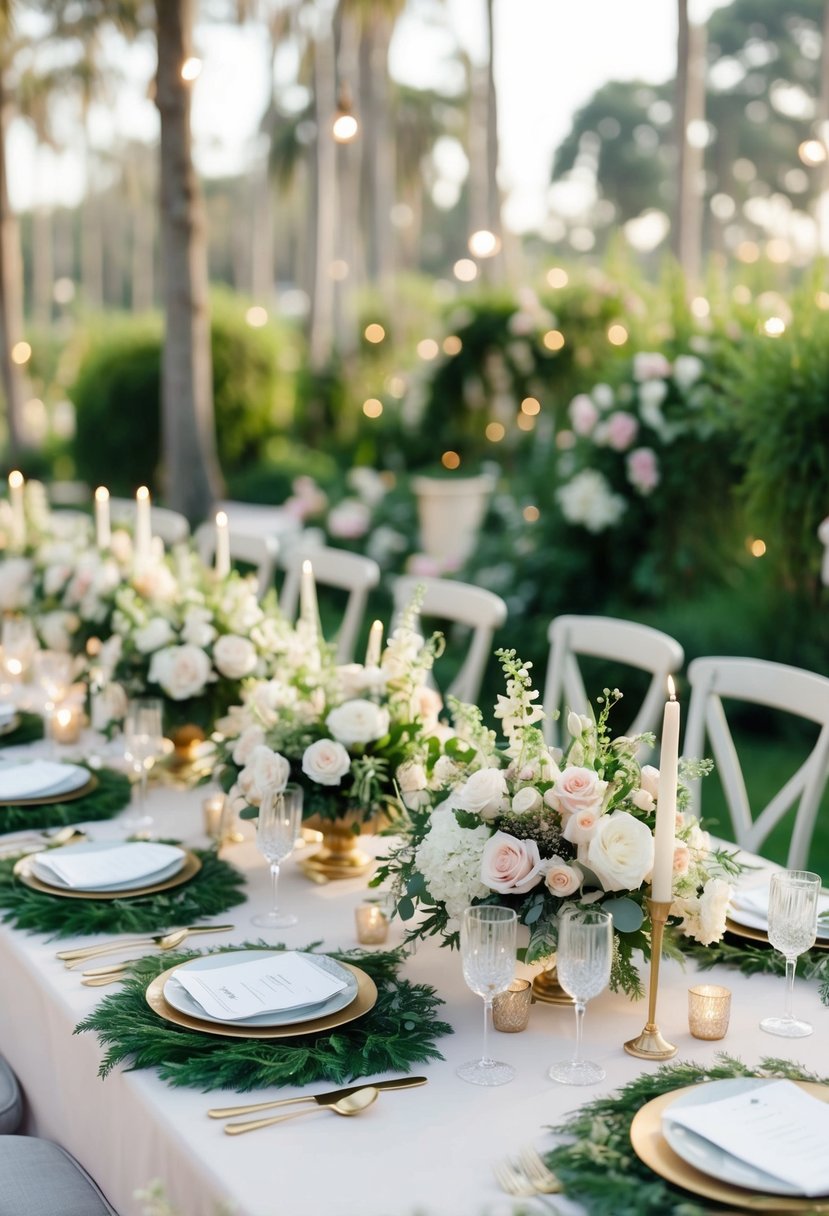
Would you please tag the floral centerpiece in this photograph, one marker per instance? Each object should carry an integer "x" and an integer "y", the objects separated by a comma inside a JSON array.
[
  {"x": 533, "y": 829},
  {"x": 345, "y": 734}
]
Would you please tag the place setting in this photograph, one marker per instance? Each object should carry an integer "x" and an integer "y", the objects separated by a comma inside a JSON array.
[
  {"x": 108, "y": 869},
  {"x": 40, "y": 782}
]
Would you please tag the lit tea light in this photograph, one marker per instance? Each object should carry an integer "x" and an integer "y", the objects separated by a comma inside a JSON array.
[
  {"x": 372, "y": 924},
  {"x": 67, "y": 722}
]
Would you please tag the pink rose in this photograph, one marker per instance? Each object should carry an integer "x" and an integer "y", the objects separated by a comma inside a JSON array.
[
  {"x": 620, "y": 430},
  {"x": 643, "y": 470},
  {"x": 583, "y": 414},
  {"x": 682, "y": 859},
  {"x": 578, "y": 789},
  {"x": 563, "y": 879},
  {"x": 581, "y": 826},
  {"x": 511, "y": 866}
]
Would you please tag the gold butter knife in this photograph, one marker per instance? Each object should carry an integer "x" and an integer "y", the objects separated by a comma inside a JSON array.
[{"x": 324, "y": 1099}]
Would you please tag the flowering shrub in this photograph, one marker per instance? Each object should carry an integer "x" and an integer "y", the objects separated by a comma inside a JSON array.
[
  {"x": 527, "y": 827},
  {"x": 346, "y": 734}
]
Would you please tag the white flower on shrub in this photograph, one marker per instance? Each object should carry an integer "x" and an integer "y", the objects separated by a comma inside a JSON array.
[
  {"x": 588, "y": 500},
  {"x": 326, "y": 762},
  {"x": 620, "y": 852},
  {"x": 234, "y": 657},
  {"x": 650, "y": 365},
  {"x": 181, "y": 671},
  {"x": 602, "y": 394},
  {"x": 484, "y": 793},
  {"x": 583, "y": 414},
  {"x": 449, "y": 858},
  {"x": 265, "y": 768},
  {"x": 350, "y": 519},
  {"x": 651, "y": 395},
  {"x": 368, "y": 483},
  {"x": 511, "y": 866},
  {"x": 687, "y": 370},
  {"x": 108, "y": 704},
  {"x": 15, "y": 583},
  {"x": 358, "y": 722},
  {"x": 153, "y": 636},
  {"x": 57, "y": 629},
  {"x": 198, "y": 628}
]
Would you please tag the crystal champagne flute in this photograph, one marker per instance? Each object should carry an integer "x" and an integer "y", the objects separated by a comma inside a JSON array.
[
  {"x": 488, "y": 936},
  {"x": 583, "y": 957},
  {"x": 793, "y": 907},
  {"x": 143, "y": 740},
  {"x": 278, "y": 826},
  {"x": 53, "y": 672}
]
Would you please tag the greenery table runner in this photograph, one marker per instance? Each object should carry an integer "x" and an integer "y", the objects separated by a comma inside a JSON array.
[
  {"x": 398, "y": 1033},
  {"x": 216, "y": 887},
  {"x": 111, "y": 794},
  {"x": 598, "y": 1167},
  {"x": 755, "y": 960}
]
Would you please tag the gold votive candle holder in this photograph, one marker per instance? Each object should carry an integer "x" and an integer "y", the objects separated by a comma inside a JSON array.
[
  {"x": 511, "y": 1008},
  {"x": 372, "y": 923},
  {"x": 213, "y": 810},
  {"x": 709, "y": 1008},
  {"x": 66, "y": 724}
]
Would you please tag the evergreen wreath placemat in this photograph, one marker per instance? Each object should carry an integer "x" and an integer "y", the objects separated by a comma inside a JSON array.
[
  {"x": 598, "y": 1167},
  {"x": 398, "y": 1033},
  {"x": 216, "y": 887},
  {"x": 29, "y": 729},
  {"x": 110, "y": 795}
]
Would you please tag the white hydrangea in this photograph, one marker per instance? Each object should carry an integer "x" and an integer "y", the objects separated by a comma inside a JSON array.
[
  {"x": 588, "y": 500},
  {"x": 449, "y": 858}
]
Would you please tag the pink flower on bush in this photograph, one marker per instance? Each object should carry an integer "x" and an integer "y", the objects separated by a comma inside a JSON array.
[
  {"x": 620, "y": 430},
  {"x": 643, "y": 470},
  {"x": 650, "y": 365},
  {"x": 511, "y": 866},
  {"x": 583, "y": 414}
]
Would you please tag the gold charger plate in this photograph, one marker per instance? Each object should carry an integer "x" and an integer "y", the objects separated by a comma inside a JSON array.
[
  {"x": 651, "y": 1147},
  {"x": 54, "y": 800},
  {"x": 759, "y": 935},
  {"x": 365, "y": 1000},
  {"x": 191, "y": 867}
]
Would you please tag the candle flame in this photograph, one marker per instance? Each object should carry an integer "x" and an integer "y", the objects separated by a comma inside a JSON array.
[
  {"x": 102, "y": 494},
  {"x": 15, "y": 479},
  {"x": 142, "y": 493},
  {"x": 671, "y": 689},
  {"x": 307, "y": 568},
  {"x": 221, "y": 519}
]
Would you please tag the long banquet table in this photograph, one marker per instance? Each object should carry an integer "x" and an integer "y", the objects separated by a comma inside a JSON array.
[{"x": 427, "y": 1151}]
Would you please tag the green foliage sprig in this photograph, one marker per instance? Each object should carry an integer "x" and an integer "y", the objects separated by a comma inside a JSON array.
[
  {"x": 111, "y": 795},
  {"x": 397, "y": 1033},
  {"x": 761, "y": 960},
  {"x": 599, "y": 1169},
  {"x": 216, "y": 887}
]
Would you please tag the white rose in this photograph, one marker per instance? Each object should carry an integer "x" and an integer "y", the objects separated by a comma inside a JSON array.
[
  {"x": 642, "y": 799},
  {"x": 326, "y": 762},
  {"x": 445, "y": 770},
  {"x": 358, "y": 722},
  {"x": 562, "y": 879},
  {"x": 620, "y": 853},
  {"x": 56, "y": 629},
  {"x": 109, "y": 704},
  {"x": 15, "y": 583},
  {"x": 649, "y": 780},
  {"x": 250, "y": 738},
  {"x": 234, "y": 657},
  {"x": 198, "y": 629},
  {"x": 182, "y": 671},
  {"x": 484, "y": 793},
  {"x": 511, "y": 866},
  {"x": 153, "y": 636},
  {"x": 265, "y": 768},
  {"x": 157, "y": 582},
  {"x": 526, "y": 800},
  {"x": 411, "y": 776}
]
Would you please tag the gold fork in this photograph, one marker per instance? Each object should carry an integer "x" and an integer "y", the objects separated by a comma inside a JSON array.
[
  {"x": 539, "y": 1174},
  {"x": 512, "y": 1179}
]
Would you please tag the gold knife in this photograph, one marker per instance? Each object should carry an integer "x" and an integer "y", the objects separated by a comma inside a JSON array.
[
  {"x": 227, "y": 1112},
  {"x": 149, "y": 940}
]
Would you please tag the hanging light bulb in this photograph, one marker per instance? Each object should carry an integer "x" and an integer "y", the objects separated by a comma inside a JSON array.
[{"x": 345, "y": 127}]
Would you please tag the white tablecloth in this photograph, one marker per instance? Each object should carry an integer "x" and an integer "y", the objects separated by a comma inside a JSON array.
[{"x": 427, "y": 1151}]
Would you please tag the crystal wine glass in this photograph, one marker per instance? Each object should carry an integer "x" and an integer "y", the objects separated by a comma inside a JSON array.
[
  {"x": 793, "y": 905},
  {"x": 583, "y": 957},
  {"x": 143, "y": 741},
  {"x": 488, "y": 956},
  {"x": 277, "y": 829}
]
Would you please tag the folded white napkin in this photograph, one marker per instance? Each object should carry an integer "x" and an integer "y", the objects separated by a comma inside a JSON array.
[
  {"x": 32, "y": 780},
  {"x": 776, "y": 1127},
  {"x": 87, "y": 867},
  {"x": 275, "y": 984}
]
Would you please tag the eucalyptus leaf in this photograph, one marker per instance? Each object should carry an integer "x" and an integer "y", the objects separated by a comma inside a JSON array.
[{"x": 627, "y": 914}]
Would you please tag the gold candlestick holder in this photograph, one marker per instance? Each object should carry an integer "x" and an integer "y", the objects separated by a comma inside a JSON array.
[{"x": 650, "y": 1045}]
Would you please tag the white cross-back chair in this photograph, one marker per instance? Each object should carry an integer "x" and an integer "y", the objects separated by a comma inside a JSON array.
[
  {"x": 257, "y": 550},
  {"x": 479, "y": 611},
  {"x": 759, "y": 682},
  {"x": 616, "y": 641},
  {"x": 170, "y": 526},
  {"x": 336, "y": 568}
]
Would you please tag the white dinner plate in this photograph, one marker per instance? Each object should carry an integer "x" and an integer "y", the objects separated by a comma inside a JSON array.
[
  {"x": 176, "y": 994},
  {"x": 756, "y": 920},
  {"x": 51, "y": 879},
  {"x": 706, "y": 1156},
  {"x": 72, "y": 778}
]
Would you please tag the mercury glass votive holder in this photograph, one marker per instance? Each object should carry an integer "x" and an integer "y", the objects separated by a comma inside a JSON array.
[
  {"x": 372, "y": 923},
  {"x": 709, "y": 1008},
  {"x": 511, "y": 1008},
  {"x": 215, "y": 820}
]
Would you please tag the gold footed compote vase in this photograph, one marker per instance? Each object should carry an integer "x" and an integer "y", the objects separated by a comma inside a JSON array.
[
  {"x": 339, "y": 855},
  {"x": 547, "y": 989}
]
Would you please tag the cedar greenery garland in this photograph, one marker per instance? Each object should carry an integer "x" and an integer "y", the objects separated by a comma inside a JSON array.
[
  {"x": 216, "y": 887},
  {"x": 111, "y": 794},
  {"x": 398, "y": 1033},
  {"x": 599, "y": 1169}
]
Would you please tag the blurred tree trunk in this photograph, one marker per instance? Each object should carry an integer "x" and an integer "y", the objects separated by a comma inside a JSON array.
[
  {"x": 689, "y": 107},
  {"x": 43, "y": 265},
  {"x": 321, "y": 328},
  {"x": 191, "y": 470},
  {"x": 11, "y": 296},
  {"x": 822, "y": 207},
  {"x": 142, "y": 250},
  {"x": 378, "y": 137}
]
